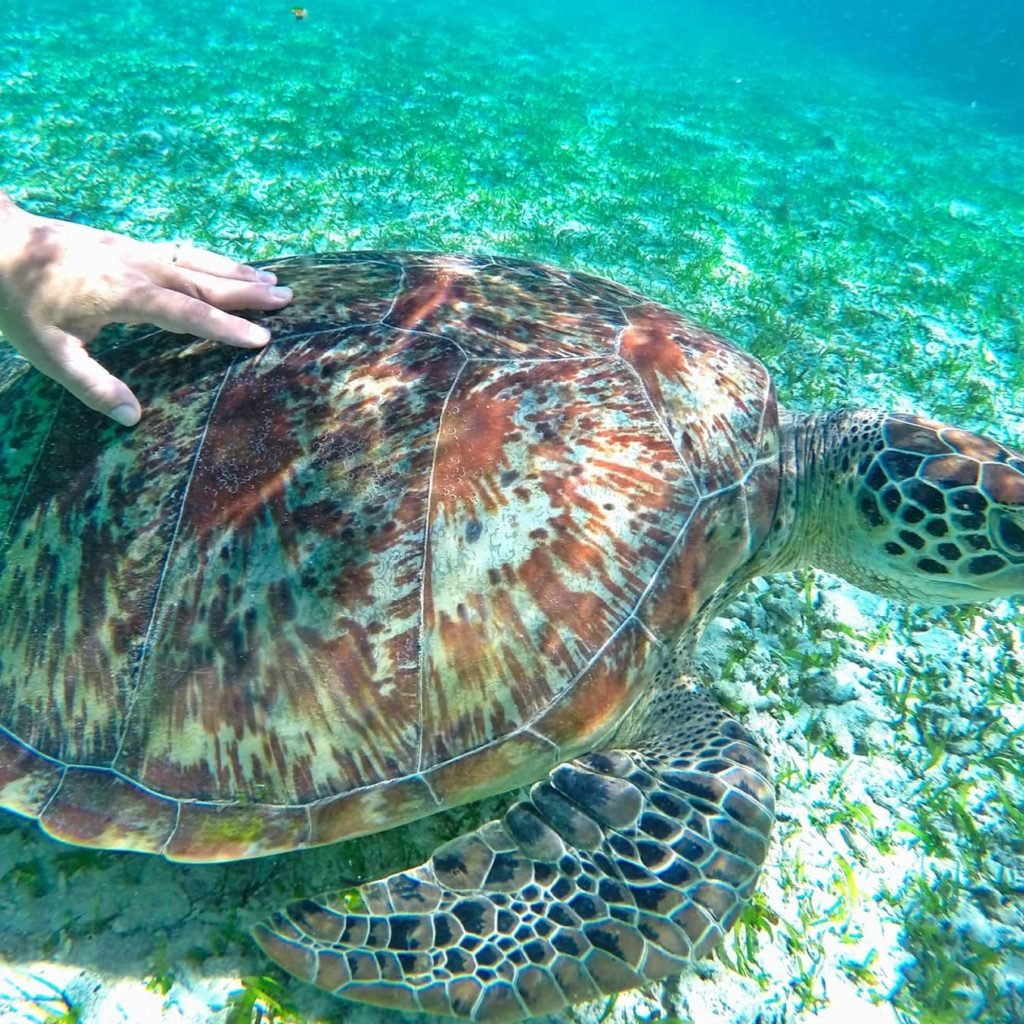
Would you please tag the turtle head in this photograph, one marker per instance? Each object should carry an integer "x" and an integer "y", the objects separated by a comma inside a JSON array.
[{"x": 937, "y": 513}]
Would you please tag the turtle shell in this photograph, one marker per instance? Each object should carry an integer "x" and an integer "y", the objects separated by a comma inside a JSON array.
[{"x": 435, "y": 538}]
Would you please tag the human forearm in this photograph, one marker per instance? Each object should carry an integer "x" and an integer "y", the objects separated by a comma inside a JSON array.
[{"x": 61, "y": 282}]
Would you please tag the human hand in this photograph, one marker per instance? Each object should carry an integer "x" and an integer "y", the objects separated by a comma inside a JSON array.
[{"x": 60, "y": 283}]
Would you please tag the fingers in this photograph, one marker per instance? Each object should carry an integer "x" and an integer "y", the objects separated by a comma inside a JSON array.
[
  {"x": 70, "y": 280},
  {"x": 185, "y": 257},
  {"x": 189, "y": 301},
  {"x": 63, "y": 357},
  {"x": 224, "y": 293},
  {"x": 186, "y": 314}
]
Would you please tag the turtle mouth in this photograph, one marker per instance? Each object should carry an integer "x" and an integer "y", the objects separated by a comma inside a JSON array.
[
  {"x": 964, "y": 590},
  {"x": 965, "y": 587},
  {"x": 948, "y": 589}
]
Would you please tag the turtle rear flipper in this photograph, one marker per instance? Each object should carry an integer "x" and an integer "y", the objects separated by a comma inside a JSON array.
[{"x": 621, "y": 867}]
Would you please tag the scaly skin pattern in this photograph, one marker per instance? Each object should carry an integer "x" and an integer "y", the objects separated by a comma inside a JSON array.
[
  {"x": 427, "y": 545},
  {"x": 620, "y": 868}
]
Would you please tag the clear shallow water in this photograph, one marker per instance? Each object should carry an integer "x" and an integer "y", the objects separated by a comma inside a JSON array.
[
  {"x": 672, "y": 149},
  {"x": 841, "y": 192},
  {"x": 968, "y": 52}
]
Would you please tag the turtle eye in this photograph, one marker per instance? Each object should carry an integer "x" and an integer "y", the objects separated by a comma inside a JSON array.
[{"x": 1008, "y": 534}]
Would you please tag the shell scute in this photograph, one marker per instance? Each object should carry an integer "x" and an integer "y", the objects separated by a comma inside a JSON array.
[
  {"x": 509, "y": 623},
  {"x": 27, "y": 779},
  {"x": 506, "y": 309},
  {"x": 611, "y": 684},
  {"x": 339, "y": 290},
  {"x": 710, "y": 394},
  {"x": 94, "y": 807},
  {"x": 77, "y": 584},
  {"x": 222, "y": 831},
  {"x": 310, "y": 681}
]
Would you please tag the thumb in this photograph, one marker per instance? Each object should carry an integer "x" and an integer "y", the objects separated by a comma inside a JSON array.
[{"x": 63, "y": 357}]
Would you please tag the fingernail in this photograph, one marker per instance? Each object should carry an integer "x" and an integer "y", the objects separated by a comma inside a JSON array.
[
  {"x": 281, "y": 292},
  {"x": 127, "y": 415},
  {"x": 259, "y": 335},
  {"x": 266, "y": 277}
]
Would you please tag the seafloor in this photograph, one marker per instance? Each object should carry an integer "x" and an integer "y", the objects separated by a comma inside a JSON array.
[{"x": 862, "y": 236}]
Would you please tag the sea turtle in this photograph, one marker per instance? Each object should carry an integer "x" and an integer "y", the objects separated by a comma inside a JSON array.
[{"x": 455, "y": 532}]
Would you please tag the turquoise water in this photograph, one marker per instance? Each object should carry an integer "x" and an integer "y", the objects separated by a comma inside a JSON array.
[
  {"x": 969, "y": 53},
  {"x": 661, "y": 148},
  {"x": 842, "y": 193}
]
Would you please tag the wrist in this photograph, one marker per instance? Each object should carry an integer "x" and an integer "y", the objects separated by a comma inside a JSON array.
[
  {"x": 8, "y": 210},
  {"x": 15, "y": 236},
  {"x": 15, "y": 231}
]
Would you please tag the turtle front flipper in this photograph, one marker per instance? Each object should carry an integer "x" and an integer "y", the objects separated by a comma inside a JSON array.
[{"x": 620, "y": 868}]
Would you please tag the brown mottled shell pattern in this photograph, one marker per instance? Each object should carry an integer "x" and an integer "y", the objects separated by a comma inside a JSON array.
[{"x": 432, "y": 541}]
